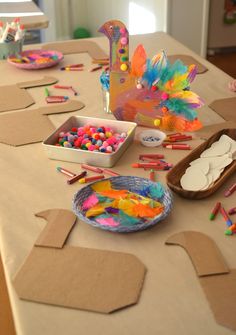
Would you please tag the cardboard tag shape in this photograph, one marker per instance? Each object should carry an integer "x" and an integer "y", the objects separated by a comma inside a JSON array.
[
  {"x": 225, "y": 108},
  {"x": 76, "y": 47},
  {"x": 16, "y": 97},
  {"x": 34, "y": 125},
  {"x": 188, "y": 60},
  {"x": 89, "y": 279},
  {"x": 216, "y": 279}
]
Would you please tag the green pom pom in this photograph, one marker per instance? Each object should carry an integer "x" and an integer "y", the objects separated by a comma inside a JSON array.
[{"x": 81, "y": 33}]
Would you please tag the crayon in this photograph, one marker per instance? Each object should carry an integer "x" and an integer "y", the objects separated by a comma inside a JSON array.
[
  {"x": 225, "y": 216},
  {"x": 91, "y": 168},
  {"x": 215, "y": 211},
  {"x": 230, "y": 190},
  {"x": 232, "y": 211},
  {"x": 95, "y": 68},
  {"x": 154, "y": 166},
  {"x": 72, "y": 180},
  {"x": 74, "y": 65},
  {"x": 178, "y": 139},
  {"x": 71, "y": 69},
  {"x": 47, "y": 94},
  {"x": 66, "y": 172},
  {"x": 88, "y": 179},
  {"x": 100, "y": 61},
  {"x": 178, "y": 146},
  {"x": 52, "y": 99},
  {"x": 63, "y": 87},
  {"x": 231, "y": 230},
  {"x": 155, "y": 156},
  {"x": 152, "y": 175},
  {"x": 110, "y": 172},
  {"x": 145, "y": 165}
]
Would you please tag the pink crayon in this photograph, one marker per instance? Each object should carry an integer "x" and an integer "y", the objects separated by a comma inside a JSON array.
[{"x": 230, "y": 190}]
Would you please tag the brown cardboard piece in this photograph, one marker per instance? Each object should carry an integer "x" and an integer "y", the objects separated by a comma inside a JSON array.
[
  {"x": 31, "y": 126},
  {"x": 76, "y": 47},
  {"x": 226, "y": 108},
  {"x": 58, "y": 228},
  {"x": 16, "y": 97},
  {"x": 218, "y": 282},
  {"x": 90, "y": 279},
  {"x": 188, "y": 60},
  {"x": 208, "y": 131}
]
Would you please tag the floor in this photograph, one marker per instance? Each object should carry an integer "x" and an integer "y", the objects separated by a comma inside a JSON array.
[{"x": 227, "y": 63}]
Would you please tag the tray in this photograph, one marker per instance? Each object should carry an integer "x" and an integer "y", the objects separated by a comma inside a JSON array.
[
  {"x": 89, "y": 157},
  {"x": 175, "y": 174}
]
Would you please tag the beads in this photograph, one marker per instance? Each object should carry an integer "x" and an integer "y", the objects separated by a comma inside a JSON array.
[
  {"x": 123, "y": 67},
  {"x": 90, "y": 138},
  {"x": 124, "y": 40}
]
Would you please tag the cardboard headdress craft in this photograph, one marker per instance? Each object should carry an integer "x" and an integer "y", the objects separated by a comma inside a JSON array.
[{"x": 151, "y": 92}]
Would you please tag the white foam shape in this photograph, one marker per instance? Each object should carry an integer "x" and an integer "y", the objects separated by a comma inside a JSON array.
[
  {"x": 193, "y": 180},
  {"x": 219, "y": 149}
]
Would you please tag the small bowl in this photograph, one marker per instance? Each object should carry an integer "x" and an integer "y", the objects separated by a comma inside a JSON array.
[{"x": 152, "y": 137}]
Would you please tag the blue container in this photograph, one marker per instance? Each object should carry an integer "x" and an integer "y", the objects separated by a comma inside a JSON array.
[{"x": 10, "y": 48}]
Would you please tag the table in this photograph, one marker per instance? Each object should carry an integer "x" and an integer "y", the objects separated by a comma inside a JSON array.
[
  {"x": 30, "y": 15},
  {"x": 172, "y": 301}
]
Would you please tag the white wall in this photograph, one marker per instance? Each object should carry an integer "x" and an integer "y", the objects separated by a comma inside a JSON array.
[
  {"x": 104, "y": 10},
  {"x": 188, "y": 23},
  {"x": 66, "y": 15}
]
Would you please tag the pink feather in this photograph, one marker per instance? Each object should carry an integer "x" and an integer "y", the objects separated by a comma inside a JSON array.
[
  {"x": 107, "y": 222},
  {"x": 90, "y": 202}
]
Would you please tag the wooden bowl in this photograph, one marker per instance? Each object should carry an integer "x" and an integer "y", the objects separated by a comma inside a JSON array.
[{"x": 175, "y": 174}]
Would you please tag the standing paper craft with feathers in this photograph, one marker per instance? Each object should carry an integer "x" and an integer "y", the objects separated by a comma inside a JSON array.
[{"x": 150, "y": 92}]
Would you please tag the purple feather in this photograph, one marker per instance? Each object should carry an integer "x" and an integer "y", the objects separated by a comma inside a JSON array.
[{"x": 112, "y": 210}]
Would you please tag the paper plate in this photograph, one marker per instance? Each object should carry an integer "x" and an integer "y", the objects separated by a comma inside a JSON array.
[{"x": 38, "y": 59}]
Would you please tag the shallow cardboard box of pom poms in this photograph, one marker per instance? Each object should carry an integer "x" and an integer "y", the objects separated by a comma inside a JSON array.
[{"x": 89, "y": 157}]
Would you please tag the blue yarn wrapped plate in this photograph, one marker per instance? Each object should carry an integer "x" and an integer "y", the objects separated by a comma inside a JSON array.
[{"x": 132, "y": 184}]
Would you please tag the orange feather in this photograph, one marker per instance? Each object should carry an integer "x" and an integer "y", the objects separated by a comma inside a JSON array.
[{"x": 138, "y": 61}]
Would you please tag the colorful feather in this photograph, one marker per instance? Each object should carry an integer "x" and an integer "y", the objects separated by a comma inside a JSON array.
[
  {"x": 101, "y": 186},
  {"x": 138, "y": 61},
  {"x": 151, "y": 73},
  {"x": 107, "y": 220},
  {"x": 127, "y": 220},
  {"x": 156, "y": 191},
  {"x": 90, "y": 201},
  {"x": 192, "y": 72}
]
